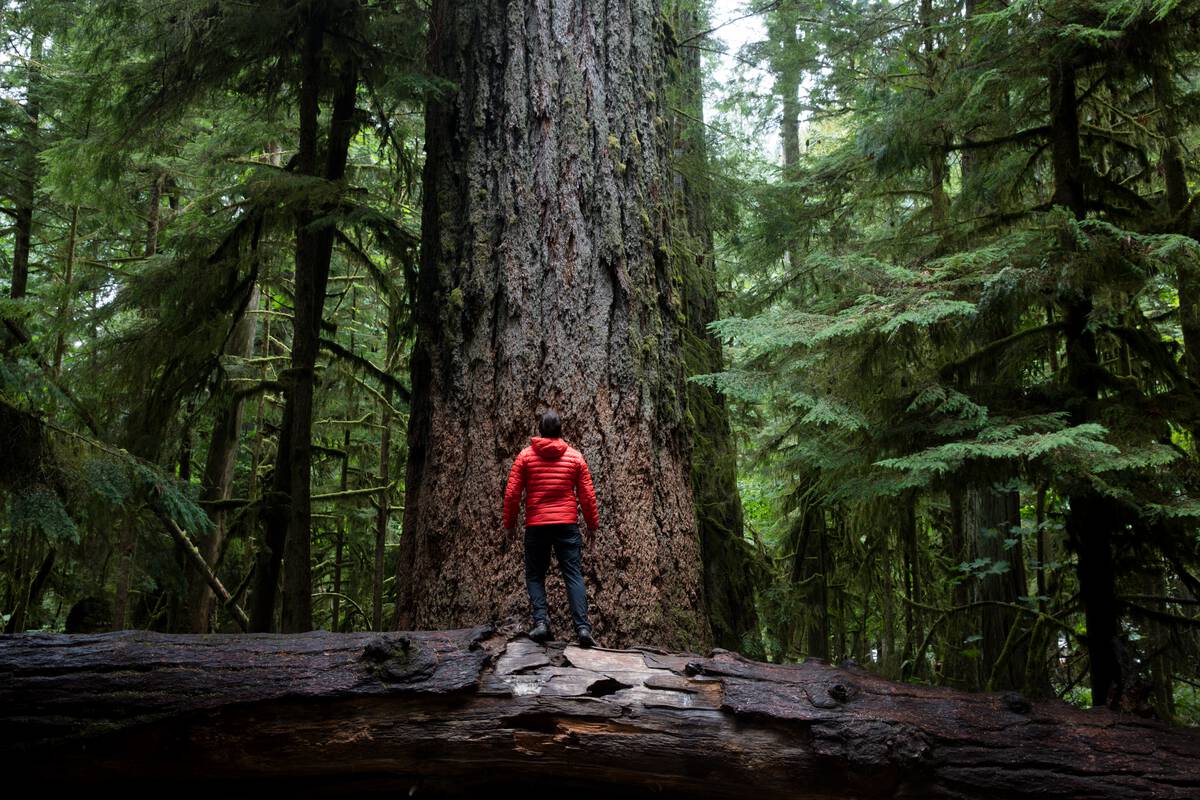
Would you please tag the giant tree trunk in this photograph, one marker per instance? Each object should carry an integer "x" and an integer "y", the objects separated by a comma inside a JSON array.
[
  {"x": 476, "y": 710},
  {"x": 546, "y": 280}
]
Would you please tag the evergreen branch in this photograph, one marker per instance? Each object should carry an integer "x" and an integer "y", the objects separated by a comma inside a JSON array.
[
  {"x": 379, "y": 398},
  {"x": 229, "y": 503},
  {"x": 365, "y": 364},
  {"x": 754, "y": 13},
  {"x": 348, "y": 599},
  {"x": 1019, "y": 136},
  {"x": 372, "y": 490},
  {"x": 1154, "y": 350},
  {"x": 1158, "y": 598},
  {"x": 85, "y": 416},
  {"x": 1189, "y": 580},
  {"x": 381, "y": 278},
  {"x": 1122, "y": 192},
  {"x": 197, "y": 559},
  {"x": 1163, "y": 616},
  {"x": 992, "y": 348}
]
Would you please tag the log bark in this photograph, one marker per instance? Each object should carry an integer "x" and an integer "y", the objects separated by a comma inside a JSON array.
[
  {"x": 546, "y": 280},
  {"x": 451, "y": 711}
]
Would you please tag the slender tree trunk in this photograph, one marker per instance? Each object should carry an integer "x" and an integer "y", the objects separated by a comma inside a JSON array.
[
  {"x": 383, "y": 513},
  {"x": 939, "y": 202},
  {"x": 1091, "y": 518},
  {"x": 27, "y": 172},
  {"x": 314, "y": 250},
  {"x": 969, "y": 160},
  {"x": 218, "y": 477},
  {"x": 154, "y": 213},
  {"x": 1175, "y": 177},
  {"x": 817, "y": 638},
  {"x": 547, "y": 279},
  {"x": 730, "y": 574},
  {"x": 984, "y": 518},
  {"x": 959, "y": 669},
  {"x": 909, "y": 564},
  {"x": 31, "y": 594},
  {"x": 1003, "y": 659},
  {"x": 1064, "y": 125},
  {"x": 889, "y": 658},
  {"x": 126, "y": 549},
  {"x": 288, "y": 517},
  {"x": 786, "y": 68},
  {"x": 340, "y": 534},
  {"x": 64, "y": 304}
]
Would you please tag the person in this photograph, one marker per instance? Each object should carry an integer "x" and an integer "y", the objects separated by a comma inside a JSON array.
[{"x": 555, "y": 479}]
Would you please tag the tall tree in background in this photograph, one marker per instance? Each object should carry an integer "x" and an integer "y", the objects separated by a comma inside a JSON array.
[
  {"x": 324, "y": 66},
  {"x": 731, "y": 574},
  {"x": 547, "y": 279}
]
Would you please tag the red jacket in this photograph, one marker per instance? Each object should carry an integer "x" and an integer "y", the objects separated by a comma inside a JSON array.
[{"x": 550, "y": 471}]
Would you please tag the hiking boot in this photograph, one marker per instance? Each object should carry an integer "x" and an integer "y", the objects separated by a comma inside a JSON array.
[
  {"x": 585, "y": 637},
  {"x": 540, "y": 632}
]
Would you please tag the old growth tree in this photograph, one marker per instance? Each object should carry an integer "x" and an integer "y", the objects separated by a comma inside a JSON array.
[{"x": 547, "y": 279}]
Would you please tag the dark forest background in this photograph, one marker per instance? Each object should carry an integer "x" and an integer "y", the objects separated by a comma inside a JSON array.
[{"x": 954, "y": 343}]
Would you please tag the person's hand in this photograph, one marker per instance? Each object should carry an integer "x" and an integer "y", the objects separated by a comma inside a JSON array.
[
  {"x": 590, "y": 536},
  {"x": 511, "y": 533}
]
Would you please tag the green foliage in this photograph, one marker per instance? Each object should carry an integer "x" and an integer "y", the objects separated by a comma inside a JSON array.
[
  {"x": 37, "y": 509},
  {"x": 904, "y": 326},
  {"x": 187, "y": 112}
]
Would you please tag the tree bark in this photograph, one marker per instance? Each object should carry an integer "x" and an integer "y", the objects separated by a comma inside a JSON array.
[
  {"x": 126, "y": 564},
  {"x": 546, "y": 281},
  {"x": 27, "y": 170},
  {"x": 383, "y": 511},
  {"x": 731, "y": 575},
  {"x": 30, "y": 596},
  {"x": 1004, "y": 659},
  {"x": 154, "y": 212},
  {"x": 1091, "y": 518},
  {"x": 218, "y": 476},
  {"x": 288, "y": 519},
  {"x": 939, "y": 202},
  {"x": 959, "y": 669},
  {"x": 67, "y": 292},
  {"x": 453, "y": 711}
]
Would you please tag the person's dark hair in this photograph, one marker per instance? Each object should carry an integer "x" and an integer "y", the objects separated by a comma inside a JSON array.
[{"x": 550, "y": 426}]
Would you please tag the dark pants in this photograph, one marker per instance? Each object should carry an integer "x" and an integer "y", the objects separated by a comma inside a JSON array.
[{"x": 568, "y": 549}]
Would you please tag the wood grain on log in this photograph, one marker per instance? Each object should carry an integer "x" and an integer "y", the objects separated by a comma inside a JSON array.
[{"x": 445, "y": 711}]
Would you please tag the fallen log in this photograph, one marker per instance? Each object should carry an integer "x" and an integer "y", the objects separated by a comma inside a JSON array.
[{"x": 444, "y": 712}]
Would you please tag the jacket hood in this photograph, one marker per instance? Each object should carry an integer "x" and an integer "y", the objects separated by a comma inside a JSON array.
[{"x": 550, "y": 449}]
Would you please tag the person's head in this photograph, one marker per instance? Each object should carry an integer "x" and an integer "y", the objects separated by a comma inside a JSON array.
[{"x": 550, "y": 426}]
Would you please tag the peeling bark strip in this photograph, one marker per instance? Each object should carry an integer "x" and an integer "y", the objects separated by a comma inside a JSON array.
[
  {"x": 448, "y": 711},
  {"x": 546, "y": 279}
]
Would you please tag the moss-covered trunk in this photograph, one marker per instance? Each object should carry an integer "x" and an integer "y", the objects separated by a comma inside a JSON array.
[
  {"x": 218, "y": 477},
  {"x": 1091, "y": 518},
  {"x": 546, "y": 280},
  {"x": 730, "y": 573},
  {"x": 288, "y": 516}
]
